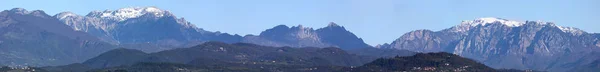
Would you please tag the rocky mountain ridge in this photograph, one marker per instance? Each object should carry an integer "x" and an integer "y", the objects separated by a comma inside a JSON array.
[
  {"x": 138, "y": 26},
  {"x": 501, "y": 43},
  {"x": 33, "y": 38}
]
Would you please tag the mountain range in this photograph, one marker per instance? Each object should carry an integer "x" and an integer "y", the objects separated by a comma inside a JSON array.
[
  {"x": 142, "y": 26},
  {"x": 34, "y": 38},
  {"x": 217, "y": 56},
  {"x": 139, "y": 27},
  {"x": 502, "y": 43},
  {"x": 222, "y": 56}
]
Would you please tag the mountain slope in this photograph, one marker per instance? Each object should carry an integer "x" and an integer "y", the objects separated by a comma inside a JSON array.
[
  {"x": 238, "y": 53},
  {"x": 298, "y": 36},
  {"x": 502, "y": 43},
  {"x": 217, "y": 56},
  {"x": 421, "y": 62},
  {"x": 137, "y": 27},
  {"x": 116, "y": 57},
  {"x": 33, "y": 38},
  {"x": 151, "y": 29},
  {"x": 340, "y": 37}
]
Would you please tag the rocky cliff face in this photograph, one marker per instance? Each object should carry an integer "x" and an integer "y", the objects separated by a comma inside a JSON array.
[
  {"x": 426, "y": 41},
  {"x": 340, "y": 37},
  {"x": 298, "y": 36},
  {"x": 502, "y": 43},
  {"x": 33, "y": 38}
]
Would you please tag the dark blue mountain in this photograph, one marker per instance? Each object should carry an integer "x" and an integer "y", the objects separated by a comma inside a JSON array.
[
  {"x": 148, "y": 29},
  {"x": 33, "y": 38}
]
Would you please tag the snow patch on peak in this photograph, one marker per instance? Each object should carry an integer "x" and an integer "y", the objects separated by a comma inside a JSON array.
[
  {"x": 64, "y": 15},
  {"x": 131, "y": 12},
  {"x": 491, "y": 20},
  {"x": 574, "y": 31},
  {"x": 19, "y": 11},
  {"x": 153, "y": 9},
  {"x": 333, "y": 24},
  {"x": 467, "y": 25},
  {"x": 304, "y": 32}
]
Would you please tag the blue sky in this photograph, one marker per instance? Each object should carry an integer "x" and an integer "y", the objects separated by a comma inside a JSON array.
[{"x": 376, "y": 21}]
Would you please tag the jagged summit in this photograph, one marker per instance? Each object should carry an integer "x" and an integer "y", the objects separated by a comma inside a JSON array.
[
  {"x": 130, "y": 12},
  {"x": 510, "y": 23},
  {"x": 492, "y": 20},
  {"x": 34, "y": 29},
  {"x": 19, "y": 10},
  {"x": 121, "y": 14},
  {"x": 573, "y": 30},
  {"x": 23, "y": 11},
  {"x": 504, "y": 43},
  {"x": 301, "y": 27},
  {"x": 64, "y": 15},
  {"x": 135, "y": 25},
  {"x": 281, "y": 26},
  {"x": 468, "y": 24},
  {"x": 333, "y": 24},
  {"x": 300, "y": 36}
]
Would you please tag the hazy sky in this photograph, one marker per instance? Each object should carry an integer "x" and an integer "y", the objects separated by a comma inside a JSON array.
[{"x": 376, "y": 21}]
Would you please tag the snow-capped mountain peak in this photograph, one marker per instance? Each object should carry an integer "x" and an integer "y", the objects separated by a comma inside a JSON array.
[
  {"x": 333, "y": 24},
  {"x": 64, "y": 15},
  {"x": 130, "y": 12},
  {"x": 572, "y": 30},
  {"x": 492, "y": 20},
  {"x": 19, "y": 10},
  {"x": 467, "y": 25}
]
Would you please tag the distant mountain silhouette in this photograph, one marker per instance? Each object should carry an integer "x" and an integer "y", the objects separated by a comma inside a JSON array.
[
  {"x": 151, "y": 29},
  {"x": 502, "y": 43},
  {"x": 222, "y": 55},
  {"x": 421, "y": 62},
  {"x": 298, "y": 36},
  {"x": 68, "y": 38},
  {"x": 147, "y": 28},
  {"x": 427, "y": 62},
  {"x": 33, "y": 38}
]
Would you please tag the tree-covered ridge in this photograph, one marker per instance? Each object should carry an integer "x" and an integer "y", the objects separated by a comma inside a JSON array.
[
  {"x": 243, "y": 57},
  {"x": 219, "y": 56},
  {"x": 426, "y": 62}
]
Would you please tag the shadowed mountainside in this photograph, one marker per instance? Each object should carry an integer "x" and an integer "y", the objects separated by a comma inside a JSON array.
[{"x": 218, "y": 55}]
